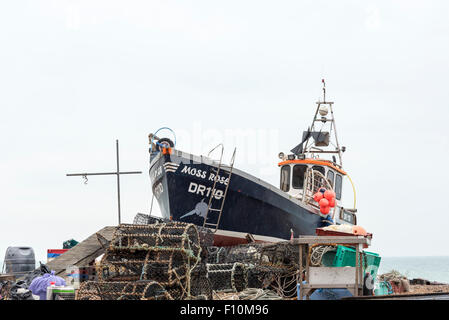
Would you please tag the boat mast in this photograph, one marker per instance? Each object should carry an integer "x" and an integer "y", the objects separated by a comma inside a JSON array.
[{"x": 322, "y": 111}]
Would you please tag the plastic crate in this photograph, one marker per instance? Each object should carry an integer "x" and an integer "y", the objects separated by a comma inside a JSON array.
[
  {"x": 383, "y": 288},
  {"x": 345, "y": 257}
]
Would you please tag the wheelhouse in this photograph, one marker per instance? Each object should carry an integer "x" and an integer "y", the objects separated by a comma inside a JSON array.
[{"x": 293, "y": 176}]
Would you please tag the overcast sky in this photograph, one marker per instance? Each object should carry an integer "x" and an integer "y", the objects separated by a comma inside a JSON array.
[{"x": 76, "y": 75}]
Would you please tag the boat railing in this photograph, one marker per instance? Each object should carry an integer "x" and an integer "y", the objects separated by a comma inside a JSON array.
[
  {"x": 313, "y": 181},
  {"x": 215, "y": 148}
]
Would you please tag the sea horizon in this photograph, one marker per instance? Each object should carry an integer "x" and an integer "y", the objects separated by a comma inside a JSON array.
[{"x": 432, "y": 268}]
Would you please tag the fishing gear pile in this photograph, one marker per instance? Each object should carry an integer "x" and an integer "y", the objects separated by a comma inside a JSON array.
[
  {"x": 168, "y": 260},
  {"x": 159, "y": 258}
]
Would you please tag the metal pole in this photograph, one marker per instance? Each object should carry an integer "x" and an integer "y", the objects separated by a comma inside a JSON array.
[
  {"x": 117, "y": 172},
  {"x": 336, "y": 136},
  {"x": 100, "y": 173},
  {"x": 118, "y": 181}
]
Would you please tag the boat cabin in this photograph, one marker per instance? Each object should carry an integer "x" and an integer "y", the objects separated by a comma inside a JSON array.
[{"x": 293, "y": 176}]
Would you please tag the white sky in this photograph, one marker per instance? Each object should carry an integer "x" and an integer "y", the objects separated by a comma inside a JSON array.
[{"x": 76, "y": 75}]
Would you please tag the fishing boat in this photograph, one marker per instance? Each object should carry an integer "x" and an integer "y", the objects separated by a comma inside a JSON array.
[{"x": 239, "y": 207}]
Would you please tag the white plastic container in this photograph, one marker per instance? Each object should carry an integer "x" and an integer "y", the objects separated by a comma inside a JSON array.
[{"x": 64, "y": 292}]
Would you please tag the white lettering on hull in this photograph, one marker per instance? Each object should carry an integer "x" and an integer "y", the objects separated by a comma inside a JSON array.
[
  {"x": 202, "y": 174},
  {"x": 204, "y": 191}
]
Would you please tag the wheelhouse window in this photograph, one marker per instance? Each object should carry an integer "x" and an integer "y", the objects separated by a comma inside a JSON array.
[
  {"x": 319, "y": 168},
  {"x": 330, "y": 177},
  {"x": 338, "y": 182},
  {"x": 285, "y": 178},
  {"x": 299, "y": 172}
]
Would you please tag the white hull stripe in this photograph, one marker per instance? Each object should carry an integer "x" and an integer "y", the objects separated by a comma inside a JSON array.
[{"x": 171, "y": 166}]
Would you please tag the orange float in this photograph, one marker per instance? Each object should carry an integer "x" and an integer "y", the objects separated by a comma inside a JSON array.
[
  {"x": 318, "y": 196},
  {"x": 324, "y": 202},
  {"x": 325, "y": 210},
  {"x": 329, "y": 194},
  {"x": 358, "y": 230}
]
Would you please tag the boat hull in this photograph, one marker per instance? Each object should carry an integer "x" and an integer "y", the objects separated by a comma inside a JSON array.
[{"x": 183, "y": 183}]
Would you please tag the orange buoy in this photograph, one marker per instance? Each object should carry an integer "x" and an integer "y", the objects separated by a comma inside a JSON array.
[
  {"x": 329, "y": 194},
  {"x": 358, "y": 230},
  {"x": 325, "y": 210},
  {"x": 318, "y": 196},
  {"x": 332, "y": 202},
  {"x": 324, "y": 202}
]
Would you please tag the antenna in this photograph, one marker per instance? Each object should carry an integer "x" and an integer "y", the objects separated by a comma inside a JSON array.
[
  {"x": 324, "y": 90},
  {"x": 117, "y": 173}
]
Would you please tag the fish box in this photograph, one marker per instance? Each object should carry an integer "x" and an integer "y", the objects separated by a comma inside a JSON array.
[{"x": 345, "y": 257}]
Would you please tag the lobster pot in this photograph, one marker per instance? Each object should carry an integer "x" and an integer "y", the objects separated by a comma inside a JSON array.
[
  {"x": 169, "y": 265},
  {"x": 216, "y": 255},
  {"x": 141, "y": 218},
  {"x": 170, "y": 234},
  {"x": 122, "y": 265},
  {"x": 164, "y": 265},
  {"x": 147, "y": 259},
  {"x": 280, "y": 253},
  {"x": 200, "y": 285},
  {"x": 93, "y": 290},
  {"x": 206, "y": 236},
  {"x": 162, "y": 252},
  {"x": 261, "y": 276},
  {"x": 137, "y": 290},
  {"x": 245, "y": 253},
  {"x": 258, "y": 277},
  {"x": 144, "y": 290},
  {"x": 230, "y": 277},
  {"x": 19, "y": 261}
]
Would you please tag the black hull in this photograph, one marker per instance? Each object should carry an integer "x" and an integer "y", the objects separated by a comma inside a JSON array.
[{"x": 182, "y": 188}]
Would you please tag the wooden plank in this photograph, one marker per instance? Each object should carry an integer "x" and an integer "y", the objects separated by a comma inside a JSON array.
[
  {"x": 83, "y": 253},
  {"x": 330, "y": 240}
]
